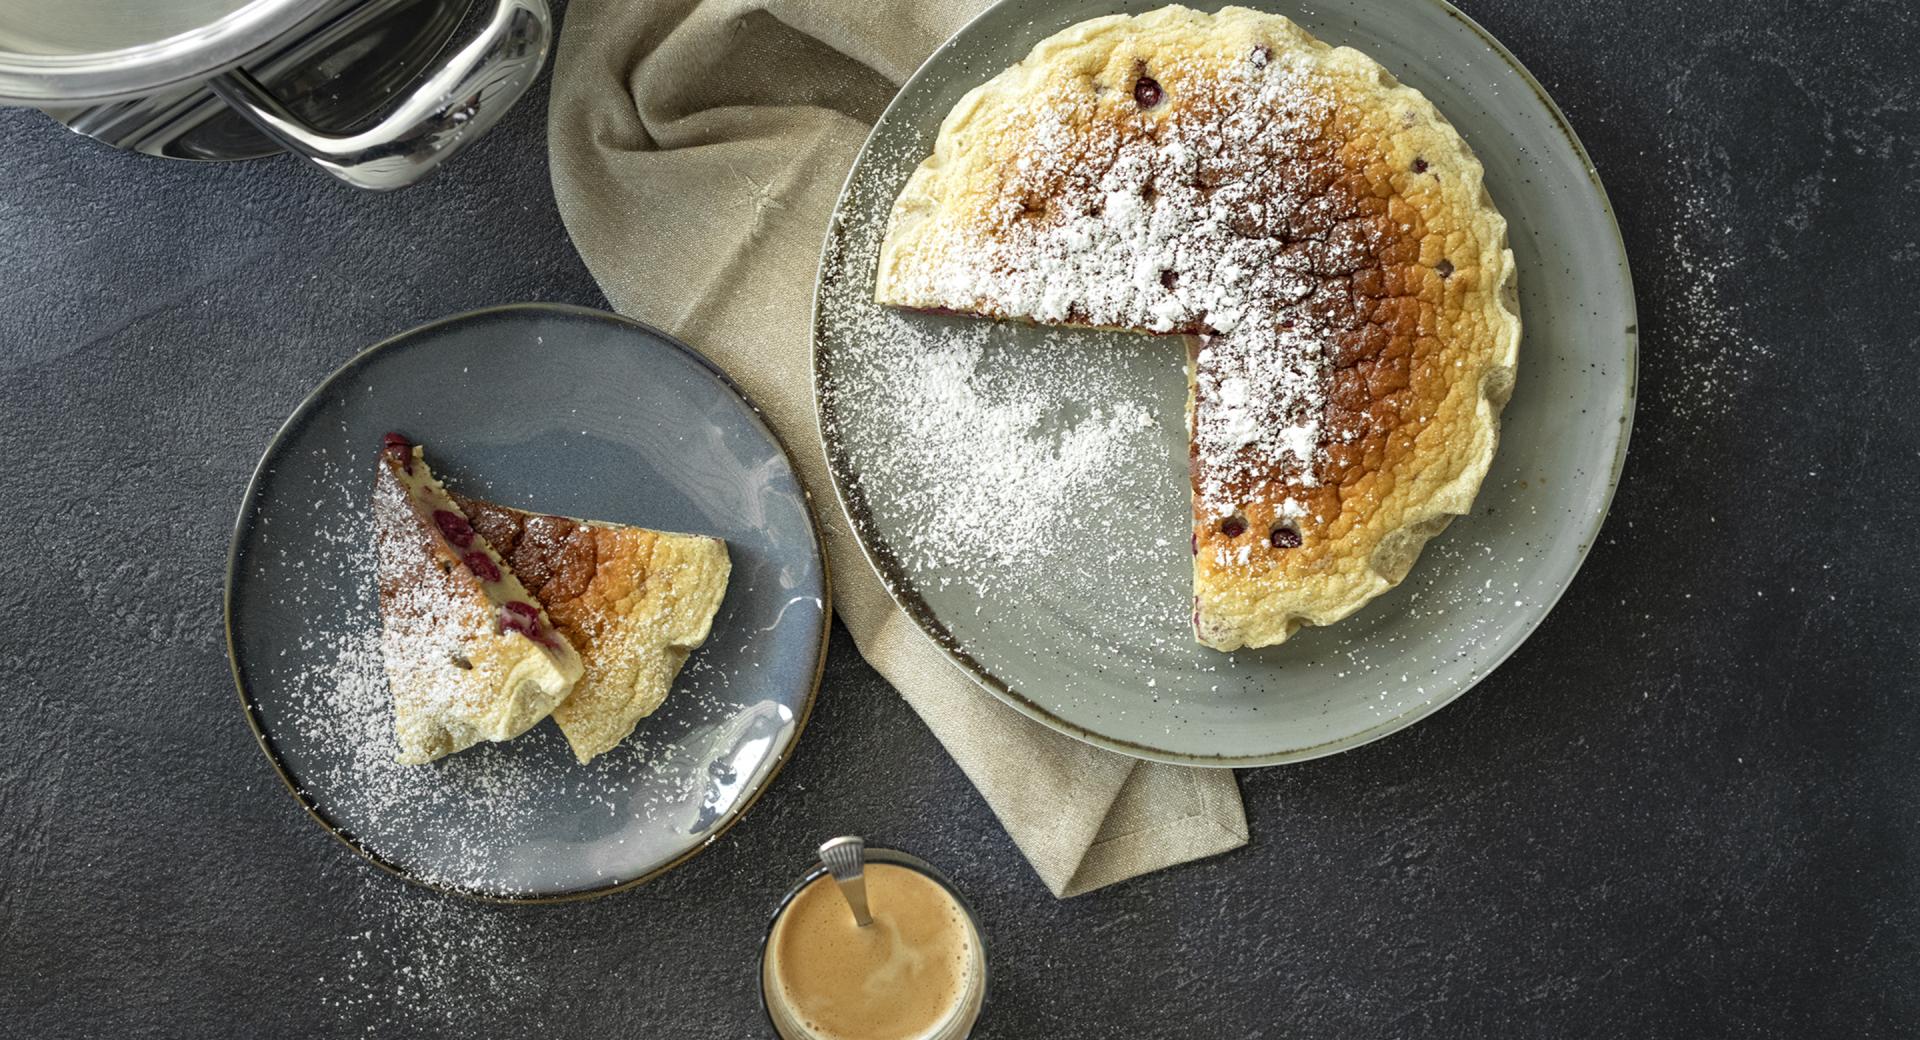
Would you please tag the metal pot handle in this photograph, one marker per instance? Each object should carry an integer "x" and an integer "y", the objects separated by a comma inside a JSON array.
[{"x": 443, "y": 115}]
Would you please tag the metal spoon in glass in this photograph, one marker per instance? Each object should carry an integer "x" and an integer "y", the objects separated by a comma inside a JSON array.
[{"x": 846, "y": 859}]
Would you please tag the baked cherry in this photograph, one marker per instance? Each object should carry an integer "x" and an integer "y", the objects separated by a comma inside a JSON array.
[
  {"x": 481, "y": 565},
  {"x": 1284, "y": 537},
  {"x": 1419, "y": 164},
  {"x": 523, "y": 609},
  {"x": 1233, "y": 526},
  {"x": 524, "y": 618},
  {"x": 454, "y": 526},
  {"x": 399, "y": 448},
  {"x": 1146, "y": 91}
]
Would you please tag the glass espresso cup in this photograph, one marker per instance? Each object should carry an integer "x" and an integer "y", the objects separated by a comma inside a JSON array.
[{"x": 918, "y": 972}]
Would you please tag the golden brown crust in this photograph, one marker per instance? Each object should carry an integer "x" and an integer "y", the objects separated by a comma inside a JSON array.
[
  {"x": 634, "y": 602},
  {"x": 1376, "y": 259}
]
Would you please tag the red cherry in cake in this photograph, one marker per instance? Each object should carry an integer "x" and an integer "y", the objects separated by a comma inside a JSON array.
[
  {"x": 398, "y": 448},
  {"x": 516, "y": 623},
  {"x": 1233, "y": 526},
  {"x": 524, "y": 618},
  {"x": 481, "y": 565},
  {"x": 523, "y": 609},
  {"x": 454, "y": 526},
  {"x": 1284, "y": 537},
  {"x": 1147, "y": 92}
]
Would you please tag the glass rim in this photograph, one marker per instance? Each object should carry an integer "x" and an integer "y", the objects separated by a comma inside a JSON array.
[{"x": 893, "y": 857}]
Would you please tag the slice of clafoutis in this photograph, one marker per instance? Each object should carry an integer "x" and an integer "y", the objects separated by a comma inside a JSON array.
[
  {"x": 470, "y": 653},
  {"x": 633, "y": 601}
]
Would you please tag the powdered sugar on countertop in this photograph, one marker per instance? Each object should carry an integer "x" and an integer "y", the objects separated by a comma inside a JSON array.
[
  {"x": 1711, "y": 338},
  {"x": 430, "y": 959}
]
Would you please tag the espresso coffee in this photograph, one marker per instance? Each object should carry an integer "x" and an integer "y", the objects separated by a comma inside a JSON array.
[{"x": 916, "y": 973}]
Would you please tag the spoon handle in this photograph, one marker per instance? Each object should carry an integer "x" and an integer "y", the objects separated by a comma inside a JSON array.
[
  {"x": 845, "y": 858},
  {"x": 855, "y": 889}
]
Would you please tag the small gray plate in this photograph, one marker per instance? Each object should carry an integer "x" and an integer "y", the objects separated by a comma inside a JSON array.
[
  {"x": 1080, "y": 619},
  {"x": 561, "y": 410}
]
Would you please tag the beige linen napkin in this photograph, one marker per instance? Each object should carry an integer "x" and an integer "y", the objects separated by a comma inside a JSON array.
[{"x": 698, "y": 147}]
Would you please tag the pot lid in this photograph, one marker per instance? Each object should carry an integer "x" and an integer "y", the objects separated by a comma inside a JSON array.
[{"x": 83, "y": 51}]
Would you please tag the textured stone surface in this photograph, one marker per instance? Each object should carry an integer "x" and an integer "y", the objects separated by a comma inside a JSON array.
[{"x": 1687, "y": 807}]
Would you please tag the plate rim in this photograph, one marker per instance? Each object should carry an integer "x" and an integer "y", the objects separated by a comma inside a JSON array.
[
  {"x": 859, "y": 518},
  {"x": 250, "y": 709}
]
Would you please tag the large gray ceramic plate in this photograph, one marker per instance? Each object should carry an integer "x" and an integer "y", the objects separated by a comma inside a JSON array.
[
  {"x": 1080, "y": 619},
  {"x": 560, "y": 410}
]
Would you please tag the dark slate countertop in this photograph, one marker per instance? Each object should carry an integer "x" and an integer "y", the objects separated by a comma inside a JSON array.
[{"x": 1686, "y": 807}]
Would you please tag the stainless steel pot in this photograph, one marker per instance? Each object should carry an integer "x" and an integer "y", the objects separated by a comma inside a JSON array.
[{"x": 375, "y": 92}]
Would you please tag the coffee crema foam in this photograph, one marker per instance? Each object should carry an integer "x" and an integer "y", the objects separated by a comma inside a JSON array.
[{"x": 915, "y": 973}]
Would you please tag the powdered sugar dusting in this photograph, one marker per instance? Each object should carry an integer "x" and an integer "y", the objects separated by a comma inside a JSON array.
[
  {"x": 1031, "y": 456},
  {"x": 1712, "y": 338},
  {"x": 428, "y": 959},
  {"x": 1208, "y": 223}
]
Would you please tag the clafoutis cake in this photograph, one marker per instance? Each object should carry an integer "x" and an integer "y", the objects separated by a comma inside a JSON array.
[{"x": 1319, "y": 232}]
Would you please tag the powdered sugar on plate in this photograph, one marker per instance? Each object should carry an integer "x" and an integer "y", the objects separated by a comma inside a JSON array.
[
  {"x": 993, "y": 472},
  {"x": 1031, "y": 450}
]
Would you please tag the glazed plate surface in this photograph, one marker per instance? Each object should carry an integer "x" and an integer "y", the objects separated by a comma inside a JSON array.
[{"x": 559, "y": 410}]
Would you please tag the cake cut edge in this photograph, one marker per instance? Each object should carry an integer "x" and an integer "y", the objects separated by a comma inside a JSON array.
[{"x": 470, "y": 655}]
